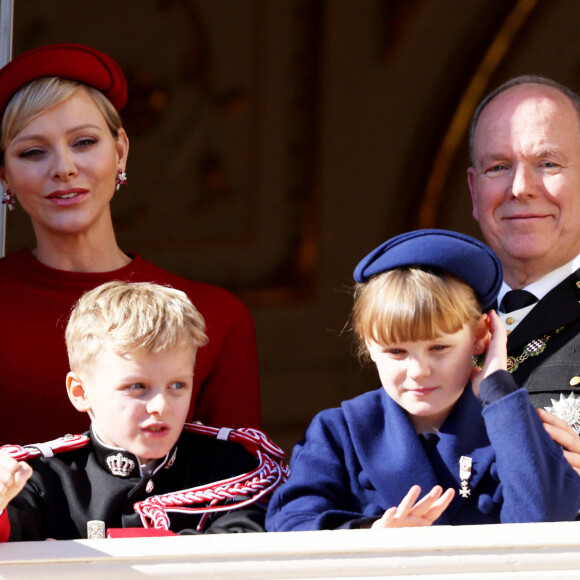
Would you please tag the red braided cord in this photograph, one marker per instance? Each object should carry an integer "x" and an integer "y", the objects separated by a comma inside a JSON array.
[
  {"x": 251, "y": 439},
  {"x": 253, "y": 485},
  {"x": 155, "y": 507},
  {"x": 155, "y": 513},
  {"x": 217, "y": 491}
]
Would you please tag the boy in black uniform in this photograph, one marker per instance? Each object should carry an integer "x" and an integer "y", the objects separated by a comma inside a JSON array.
[{"x": 132, "y": 349}]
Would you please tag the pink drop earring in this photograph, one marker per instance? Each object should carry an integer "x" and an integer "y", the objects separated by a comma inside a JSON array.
[
  {"x": 9, "y": 199},
  {"x": 120, "y": 179}
]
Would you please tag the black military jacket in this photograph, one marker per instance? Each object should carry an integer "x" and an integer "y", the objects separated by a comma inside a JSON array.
[
  {"x": 556, "y": 369},
  {"x": 70, "y": 489}
]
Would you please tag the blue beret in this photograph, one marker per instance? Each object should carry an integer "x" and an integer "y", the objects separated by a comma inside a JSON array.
[{"x": 461, "y": 255}]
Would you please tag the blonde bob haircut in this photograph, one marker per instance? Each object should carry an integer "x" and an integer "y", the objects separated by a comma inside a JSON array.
[
  {"x": 130, "y": 317},
  {"x": 410, "y": 304},
  {"x": 38, "y": 96}
]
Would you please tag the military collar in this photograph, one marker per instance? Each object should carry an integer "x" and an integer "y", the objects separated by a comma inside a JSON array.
[
  {"x": 541, "y": 287},
  {"x": 121, "y": 463}
]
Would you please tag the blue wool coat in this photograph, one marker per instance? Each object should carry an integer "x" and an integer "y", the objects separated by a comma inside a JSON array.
[{"x": 358, "y": 460}]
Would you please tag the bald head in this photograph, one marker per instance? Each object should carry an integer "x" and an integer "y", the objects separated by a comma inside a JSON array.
[{"x": 516, "y": 82}]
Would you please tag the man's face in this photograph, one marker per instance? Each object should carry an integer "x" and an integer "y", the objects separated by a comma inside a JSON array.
[{"x": 525, "y": 185}]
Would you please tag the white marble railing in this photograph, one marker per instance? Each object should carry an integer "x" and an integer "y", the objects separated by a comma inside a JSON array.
[{"x": 524, "y": 551}]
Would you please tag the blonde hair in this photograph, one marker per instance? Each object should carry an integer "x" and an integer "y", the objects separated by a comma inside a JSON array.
[
  {"x": 129, "y": 317},
  {"x": 39, "y": 95},
  {"x": 410, "y": 304}
]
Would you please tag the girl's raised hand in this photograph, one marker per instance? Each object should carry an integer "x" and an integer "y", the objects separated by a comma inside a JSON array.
[{"x": 411, "y": 514}]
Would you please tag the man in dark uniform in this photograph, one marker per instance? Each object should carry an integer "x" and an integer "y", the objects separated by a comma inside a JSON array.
[
  {"x": 525, "y": 188},
  {"x": 132, "y": 349}
]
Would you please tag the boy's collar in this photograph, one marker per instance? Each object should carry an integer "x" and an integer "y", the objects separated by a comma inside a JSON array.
[{"x": 122, "y": 463}]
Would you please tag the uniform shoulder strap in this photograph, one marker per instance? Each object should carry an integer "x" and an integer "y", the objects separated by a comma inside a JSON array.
[
  {"x": 47, "y": 449},
  {"x": 251, "y": 439}
]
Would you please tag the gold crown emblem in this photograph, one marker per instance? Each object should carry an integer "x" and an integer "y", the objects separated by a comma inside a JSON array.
[{"x": 120, "y": 465}]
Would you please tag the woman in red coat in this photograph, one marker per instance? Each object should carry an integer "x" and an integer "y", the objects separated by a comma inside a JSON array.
[{"x": 63, "y": 154}]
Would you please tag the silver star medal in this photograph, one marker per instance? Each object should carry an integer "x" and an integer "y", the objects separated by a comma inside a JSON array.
[
  {"x": 464, "y": 474},
  {"x": 567, "y": 409}
]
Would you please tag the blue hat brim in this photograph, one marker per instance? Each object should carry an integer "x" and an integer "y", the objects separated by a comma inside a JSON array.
[{"x": 461, "y": 255}]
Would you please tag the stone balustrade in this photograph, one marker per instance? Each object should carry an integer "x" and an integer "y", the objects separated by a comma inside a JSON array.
[{"x": 526, "y": 551}]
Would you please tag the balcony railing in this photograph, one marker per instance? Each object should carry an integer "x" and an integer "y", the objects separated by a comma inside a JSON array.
[{"x": 526, "y": 551}]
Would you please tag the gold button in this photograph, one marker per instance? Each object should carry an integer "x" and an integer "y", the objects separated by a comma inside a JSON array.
[
  {"x": 510, "y": 320},
  {"x": 574, "y": 381},
  {"x": 508, "y": 332}
]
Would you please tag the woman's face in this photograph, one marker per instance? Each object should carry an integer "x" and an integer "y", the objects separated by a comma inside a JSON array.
[{"x": 62, "y": 167}]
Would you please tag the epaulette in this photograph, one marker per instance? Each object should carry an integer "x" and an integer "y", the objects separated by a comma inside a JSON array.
[
  {"x": 251, "y": 439},
  {"x": 47, "y": 449},
  {"x": 233, "y": 493}
]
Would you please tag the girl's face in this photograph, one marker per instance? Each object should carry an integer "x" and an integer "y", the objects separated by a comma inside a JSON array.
[
  {"x": 62, "y": 167},
  {"x": 427, "y": 377}
]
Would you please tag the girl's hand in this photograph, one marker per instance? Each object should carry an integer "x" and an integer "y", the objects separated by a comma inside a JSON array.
[
  {"x": 496, "y": 354},
  {"x": 411, "y": 514}
]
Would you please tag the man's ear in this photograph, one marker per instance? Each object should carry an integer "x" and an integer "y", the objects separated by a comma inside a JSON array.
[
  {"x": 482, "y": 335},
  {"x": 77, "y": 393},
  {"x": 471, "y": 182}
]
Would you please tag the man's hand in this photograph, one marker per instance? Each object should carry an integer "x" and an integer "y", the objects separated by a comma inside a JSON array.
[
  {"x": 564, "y": 435},
  {"x": 13, "y": 476},
  {"x": 411, "y": 514}
]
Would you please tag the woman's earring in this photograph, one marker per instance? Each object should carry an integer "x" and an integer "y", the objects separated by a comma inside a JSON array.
[
  {"x": 120, "y": 179},
  {"x": 9, "y": 199}
]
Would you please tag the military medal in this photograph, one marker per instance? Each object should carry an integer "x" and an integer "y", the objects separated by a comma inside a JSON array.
[
  {"x": 465, "y": 474},
  {"x": 567, "y": 409}
]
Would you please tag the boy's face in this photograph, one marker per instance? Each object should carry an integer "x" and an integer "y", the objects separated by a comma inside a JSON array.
[
  {"x": 427, "y": 377},
  {"x": 140, "y": 403}
]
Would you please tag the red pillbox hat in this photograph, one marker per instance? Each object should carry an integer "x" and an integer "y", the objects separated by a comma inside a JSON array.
[{"x": 68, "y": 61}]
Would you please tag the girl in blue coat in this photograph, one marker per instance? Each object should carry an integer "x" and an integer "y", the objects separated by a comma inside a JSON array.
[{"x": 442, "y": 441}]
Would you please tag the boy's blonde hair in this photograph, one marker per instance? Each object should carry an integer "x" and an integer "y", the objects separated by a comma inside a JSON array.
[
  {"x": 410, "y": 304},
  {"x": 36, "y": 97},
  {"x": 128, "y": 317}
]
